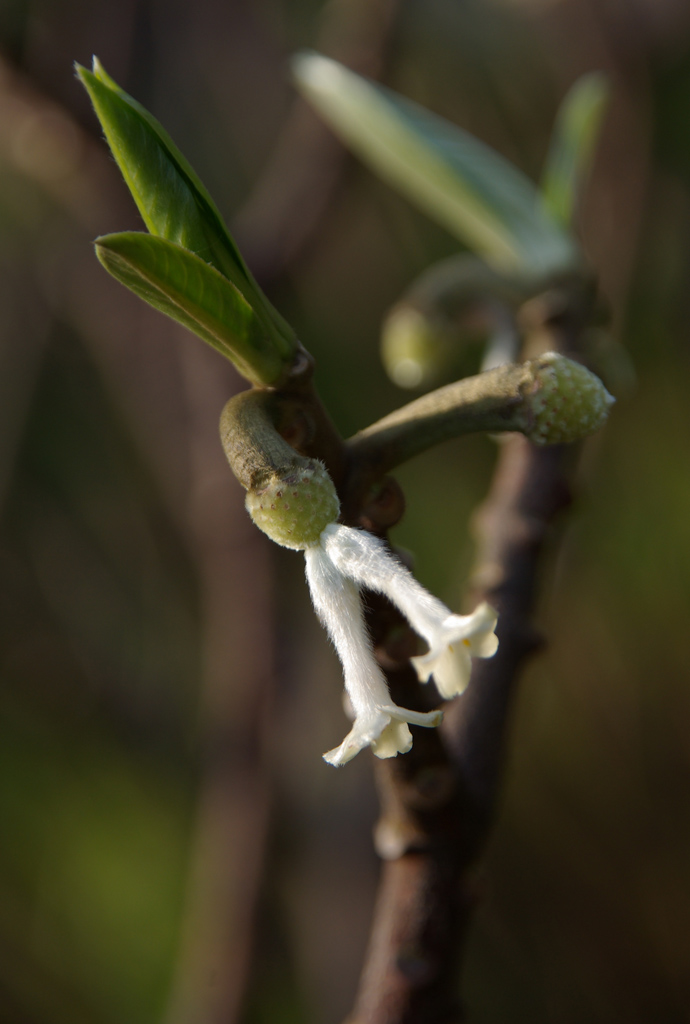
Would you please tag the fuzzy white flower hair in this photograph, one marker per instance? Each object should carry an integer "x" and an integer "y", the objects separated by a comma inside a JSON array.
[{"x": 300, "y": 512}]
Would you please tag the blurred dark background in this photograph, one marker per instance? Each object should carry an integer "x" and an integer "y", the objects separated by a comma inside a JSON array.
[{"x": 172, "y": 847}]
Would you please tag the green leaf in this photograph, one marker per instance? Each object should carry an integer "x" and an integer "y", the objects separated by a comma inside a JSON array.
[
  {"x": 171, "y": 199},
  {"x": 180, "y": 284},
  {"x": 572, "y": 145},
  {"x": 471, "y": 190}
]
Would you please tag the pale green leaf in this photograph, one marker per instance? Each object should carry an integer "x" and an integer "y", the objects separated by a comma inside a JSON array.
[
  {"x": 171, "y": 199},
  {"x": 186, "y": 288},
  {"x": 572, "y": 146},
  {"x": 471, "y": 190}
]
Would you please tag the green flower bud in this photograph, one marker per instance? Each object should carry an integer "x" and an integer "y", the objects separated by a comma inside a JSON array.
[
  {"x": 567, "y": 403},
  {"x": 413, "y": 347},
  {"x": 294, "y": 510}
]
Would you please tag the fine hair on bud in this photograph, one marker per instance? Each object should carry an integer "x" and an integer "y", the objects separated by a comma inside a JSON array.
[
  {"x": 295, "y": 508},
  {"x": 567, "y": 401}
]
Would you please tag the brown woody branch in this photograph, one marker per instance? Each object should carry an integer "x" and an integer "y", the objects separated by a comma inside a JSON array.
[
  {"x": 438, "y": 801},
  {"x": 437, "y": 808}
]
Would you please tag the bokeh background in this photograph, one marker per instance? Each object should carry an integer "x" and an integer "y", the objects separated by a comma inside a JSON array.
[{"x": 172, "y": 847}]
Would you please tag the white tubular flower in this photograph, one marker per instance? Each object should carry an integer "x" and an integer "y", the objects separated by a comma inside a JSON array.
[
  {"x": 452, "y": 639},
  {"x": 456, "y": 640},
  {"x": 379, "y": 723},
  {"x": 298, "y": 511}
]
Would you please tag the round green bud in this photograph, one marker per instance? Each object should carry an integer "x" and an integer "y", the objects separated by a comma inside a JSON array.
[
  {"x": 413, "y": 347},
  {"x": 567, "y": 401},
  {"x": 294, "y": 510}
]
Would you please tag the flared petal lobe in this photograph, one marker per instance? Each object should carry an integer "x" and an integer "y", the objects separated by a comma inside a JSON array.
[
  {"x": 458, "y": 639},
  {"x": 453, "y": 639}
]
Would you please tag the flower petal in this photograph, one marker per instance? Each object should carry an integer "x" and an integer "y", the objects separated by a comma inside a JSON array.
[
  {"x": 450, "y": 667},
  {"x": 395, "y": 739},
  {"x": 451, "y": 646},
  {"x": 451, "y": 638},
  {"x": 479, "y": 629},
  {"x": 484, "y": 646},
  {"x": 361, "y": 735},
  {"x": 385, "y": 730}
]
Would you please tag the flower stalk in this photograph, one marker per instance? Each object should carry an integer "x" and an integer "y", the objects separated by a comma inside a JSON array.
[{"x": 516, "y": 397}]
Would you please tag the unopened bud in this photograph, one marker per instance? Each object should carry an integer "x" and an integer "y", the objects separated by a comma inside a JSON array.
[
  {"x": 413, "y": 347},
  {"x": 567, "y": 401},
  {"x": 294, "y": 510}
]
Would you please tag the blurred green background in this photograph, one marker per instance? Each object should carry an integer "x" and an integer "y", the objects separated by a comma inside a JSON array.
[{"x": 172, "y": 847}]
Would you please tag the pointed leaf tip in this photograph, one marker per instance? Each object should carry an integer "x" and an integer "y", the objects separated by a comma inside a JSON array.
[
  {"x": 573, "y": 146},
  {"x": 171, "y": 198}
]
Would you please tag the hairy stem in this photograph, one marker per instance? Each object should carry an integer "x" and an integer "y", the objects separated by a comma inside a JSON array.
[{"x": 494, "y": 401}]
